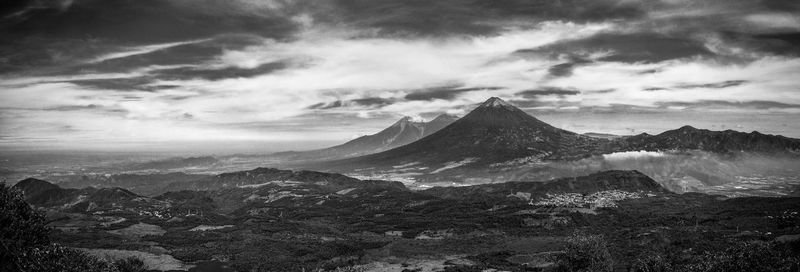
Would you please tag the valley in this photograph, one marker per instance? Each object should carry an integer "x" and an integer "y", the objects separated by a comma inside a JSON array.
[
  {"x": 311, "y": 220},
  {"x": 495, "y": 190}
]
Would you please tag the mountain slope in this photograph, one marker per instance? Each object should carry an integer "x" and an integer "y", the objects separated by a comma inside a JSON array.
[
  {"x": 632, "y": 181},
  {"x": 690, "y": 138},
  {"x": 260, "y": 177},
  {"x": 45, "y": 194},
  {"x": 39, "y": 192},
  {"x": 148, "y": 184},
  {"x": 494, "y": 132},
  {"x": 400, "y": 133}
]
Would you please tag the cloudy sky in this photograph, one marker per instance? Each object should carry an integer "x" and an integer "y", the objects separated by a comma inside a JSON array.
[{"x": 293, "y": 74}]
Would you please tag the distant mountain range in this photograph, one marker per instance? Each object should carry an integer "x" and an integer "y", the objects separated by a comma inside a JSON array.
[
  {"x": 493, "y": 132},
  {"x": 690, "y": 138},
  {"x": 498, "y": 133},
  {"x": 402, "y": 132},
  {"x": 495, "y": 142}
]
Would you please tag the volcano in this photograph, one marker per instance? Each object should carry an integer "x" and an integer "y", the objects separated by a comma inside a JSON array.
[
  {"x": 402, "y": 132},
  {"x": 494, "y": 132}
]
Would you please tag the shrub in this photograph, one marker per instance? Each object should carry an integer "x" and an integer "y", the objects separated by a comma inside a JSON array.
[
  {"x": 25, "y": 245},
  {"x": 652, "y": 262},
  {"x": 742, "y": 257},
  {"x": 21, "y": 229},
  {"x": 131, "y": 264},
  {"x": 748, "y": 257},
  {"x": 59, "y": 258},
  {"x": 585, "y": 253}
]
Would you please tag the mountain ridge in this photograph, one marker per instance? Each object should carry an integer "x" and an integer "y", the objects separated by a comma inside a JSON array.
[
  {"x": 402, "y": 132},
  {"x": 493, "y": 132},
  {"x": 43, "y": 193},
  {"x": 625, "y": 180},
  {"x": 497, "y": 135},
  {"x": 688, "y": 138}
]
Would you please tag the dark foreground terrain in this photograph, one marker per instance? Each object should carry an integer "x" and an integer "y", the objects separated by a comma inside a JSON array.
[{"x": 276, "y": 220}]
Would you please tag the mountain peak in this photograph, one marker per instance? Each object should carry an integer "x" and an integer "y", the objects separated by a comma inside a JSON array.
[
  {"x": 496, "y": 102},
  {"x": 404, "y": 119},
  {"x": 494, "y": 132},
  {"x": 402, "y": 122},
  {"x": 33, "y": 184},
  {"x": 409, "y": 119},
  {"x": 444, "y": 117}
]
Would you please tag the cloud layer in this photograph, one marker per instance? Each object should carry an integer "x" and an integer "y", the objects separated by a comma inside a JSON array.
[{"x": 77, "y": 72}]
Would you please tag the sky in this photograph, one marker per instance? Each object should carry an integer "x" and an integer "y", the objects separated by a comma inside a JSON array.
[{"x": 296, "y": 74}]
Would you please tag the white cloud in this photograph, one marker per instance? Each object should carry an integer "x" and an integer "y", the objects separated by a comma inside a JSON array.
[
  {"x": 769, "y": 78},
  {"x": 771, "y": 21},
  {"x": 140, "y": 50},
  {"x": 326, "y": 65}
]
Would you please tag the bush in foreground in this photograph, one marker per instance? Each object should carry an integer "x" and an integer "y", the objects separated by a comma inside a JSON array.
[
  {"x": 754, "y": 256},
  {"x": 585, "y": 253},
  {"x": 25, "y": 245}
]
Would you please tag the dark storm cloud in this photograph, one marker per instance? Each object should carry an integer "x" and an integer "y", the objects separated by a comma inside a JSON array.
[
  {"x": 370, "y": 102},
  {"x": 780, "y": 5},
  {"x": 779, "y": 43},
  {"x": 565, "y": 69},
  {"x": 535, "y": 103},
  {"x": 70, "y": 56},
  {"x": 711, "y": 104},
  {"x": 650, "y": 71},
  {"x": 216, "y": 74},
  {"x": 131, "y": 98},
  {"x": 73, "y": 107},
  {"x": 630, "y": 48},
  {"x": 445, "y": 93},
  {"x": 39, "y": 34},
  {"x": 619, "y": 108},
  {"x": 447, "y": 17},
  {"x": 189, "y": 53},
  {"x": 40, "y": 52},
  {"x": 91, "y": 107},
  {"x": 148, "y": 21},
  {"x": 713, "y": 85},
  {"x": 121, "y": 84},
  {"x": 787, "y": 42},
  {"x": 168, "y": 20},
  {"x": 88, "y": 107},
  {"x": 123, "y": 54},
  {"x": 548, "y": 91}
]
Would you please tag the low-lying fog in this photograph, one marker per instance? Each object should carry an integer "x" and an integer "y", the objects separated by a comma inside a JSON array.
[{"x": 740, "y": 174}]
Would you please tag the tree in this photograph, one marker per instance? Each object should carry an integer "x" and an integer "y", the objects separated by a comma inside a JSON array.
[
  {"x": 752, "y": 256},
  {"x": 585, "y": 253},
  {"x": 21, "y": 229},
  {"x": 26, "y": 245},
  {"x": 653, "y": 262}
]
